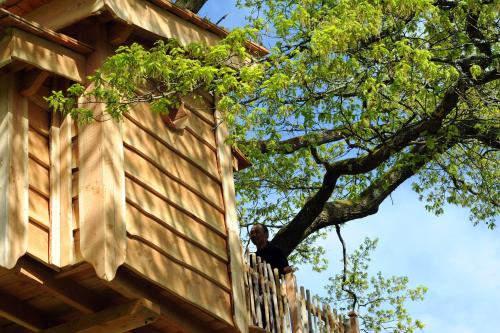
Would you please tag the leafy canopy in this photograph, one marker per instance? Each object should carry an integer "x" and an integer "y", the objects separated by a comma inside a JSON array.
[
  {"x": 354, "y": 98},
  {"x": 379, "y": 301}
]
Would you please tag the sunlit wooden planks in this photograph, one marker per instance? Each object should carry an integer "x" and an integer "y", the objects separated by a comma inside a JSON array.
[
  {"x": 45, "y": 55},
  {"x": 236, "y": 263},
  {"x": 185, "y": 283},
  {"x": 168, "y": 242},
  {"x": 13, "y": 172},
  {"x": 101, "y": 182},
  {"x": 146, "y": 173},
  {"x": 39, "y": 182},
  {"x": 187, "y": 146},
  {"x": 162, "y": 156},
  {"x": 38, "y": 241},
  {"x": 175, "y": 219}
]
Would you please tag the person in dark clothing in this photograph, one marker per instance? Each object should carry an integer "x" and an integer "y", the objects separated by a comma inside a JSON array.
[{"x": 267, "y": 251}]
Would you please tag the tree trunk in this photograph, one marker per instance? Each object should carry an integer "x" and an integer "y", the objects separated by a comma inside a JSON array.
[{"x": 192, "y": 5}]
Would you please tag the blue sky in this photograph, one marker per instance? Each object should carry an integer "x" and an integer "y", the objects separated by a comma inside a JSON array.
[{"x": 459, "y": 263}]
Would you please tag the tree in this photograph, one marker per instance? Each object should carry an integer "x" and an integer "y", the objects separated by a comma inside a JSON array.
[
  {"x": 380, "y": 302},
  {"x": 354, "y": 98}
]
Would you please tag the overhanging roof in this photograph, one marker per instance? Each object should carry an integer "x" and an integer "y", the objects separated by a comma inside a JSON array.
[{"x": 145, "y": 9}]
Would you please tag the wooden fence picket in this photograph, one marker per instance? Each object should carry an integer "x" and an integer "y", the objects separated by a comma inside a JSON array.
[{"x": 277, "y": 305}]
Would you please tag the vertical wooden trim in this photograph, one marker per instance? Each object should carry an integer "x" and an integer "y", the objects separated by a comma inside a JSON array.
[
  {"x": 55, "y": 191},
  {"x": 291, "y": 292},
  {"x": 13, "y": 172},
  {"x": 66, "y": 226},
  {"x": 101, "y": 180},
  {"x": 236, "y": 263}
]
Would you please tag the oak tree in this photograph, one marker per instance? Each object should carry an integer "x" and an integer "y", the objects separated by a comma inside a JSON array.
[{"x": 354, "y": 98}]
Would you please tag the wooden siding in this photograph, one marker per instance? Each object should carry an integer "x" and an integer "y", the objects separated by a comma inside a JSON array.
[
  {"x": 39, "y": 182},
  {"x": 175, "y": 211}
]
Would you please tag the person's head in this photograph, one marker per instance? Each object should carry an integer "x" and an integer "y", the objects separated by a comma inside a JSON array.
[{"x": 259, "y": 235}]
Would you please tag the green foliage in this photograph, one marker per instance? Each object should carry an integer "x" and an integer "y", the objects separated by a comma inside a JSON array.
[
  {"x": 354, "y": 98},
  {"x": 381, "y": 302}
]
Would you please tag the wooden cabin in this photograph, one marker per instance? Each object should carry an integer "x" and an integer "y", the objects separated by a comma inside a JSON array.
[{"x": 113, "y": 226}]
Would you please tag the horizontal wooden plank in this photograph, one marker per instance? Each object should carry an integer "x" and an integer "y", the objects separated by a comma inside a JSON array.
[
  {"x": 177, "y": 247},
  {"x": 38, "y": 177},
  {"x": 145, "y": 172},
  {"x": 38, "y": 147},
  {"x": 39, "y": 208},
  {"x": 182, "y": 170},
  {"x": 38, "y": 242},
  {"x": 175, "y": 219},
  {"x": 179, "y": 280},
  {"x": 45, "y": 55},
  {"x": 187, "y": 145},
  {"x": 39, "y": 118}
]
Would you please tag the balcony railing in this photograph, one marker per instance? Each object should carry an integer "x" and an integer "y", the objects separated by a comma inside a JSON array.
[{"x": 277, "y": 305}]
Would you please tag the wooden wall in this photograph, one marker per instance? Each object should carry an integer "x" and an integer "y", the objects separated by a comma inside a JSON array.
[
  {"x": 176, "y": 233},
  {"x": 39, "y": 181}
]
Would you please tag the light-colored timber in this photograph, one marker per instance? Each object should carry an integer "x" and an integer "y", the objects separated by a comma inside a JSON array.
[
  {"x": 66, "y": 222},
  {"x": 101, "y": 182},
  {"x": 111, "y": 226},
  {"x": 45, "y": 55},
  {"x": 192, "y": 287},
  {"x": 116, "y": 319},
  {"x": 175, "y": 219},
  {"x": 234, "y": 243},
  {"x": 13, "y": 172}
]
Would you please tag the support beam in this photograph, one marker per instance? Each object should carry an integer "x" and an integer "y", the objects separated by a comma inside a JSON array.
[
  {"x": 13, "y": 172},
  {"x": 131, "y": 287},
  {"x": 101, "y": 179},
  {"x": 33, "y": 81},
  {"x": 67, "y": 291},
  {"x": 45, "y": 55},
  {"x": 23, "y": 314},
  {"x": 119, "y": 33},
  {"x": 236, "y": 263},
  {"x": 116, "y": 319}
]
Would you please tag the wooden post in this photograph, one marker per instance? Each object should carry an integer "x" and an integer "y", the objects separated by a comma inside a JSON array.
[
  {"x": 13, "y": 172},
  {"x": 353, "y": 320},
  {"x": 224, "y": 157},
  {"x": 101, "y": 181},
  {"x": 292, "y": 303}
]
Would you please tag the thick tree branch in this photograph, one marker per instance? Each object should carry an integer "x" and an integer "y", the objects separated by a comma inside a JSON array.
[
  {"x": 291, "y": 145},
  {"x": 290, "y": 235}
]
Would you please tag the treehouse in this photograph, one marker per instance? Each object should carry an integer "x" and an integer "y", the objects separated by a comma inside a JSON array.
[
  {"x": 123, "y": 226},
  {"x": 111, "y": 226}
]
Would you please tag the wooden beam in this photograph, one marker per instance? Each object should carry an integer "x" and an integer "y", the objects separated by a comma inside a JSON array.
[
  {"x": 119, "y": 32},
  {"x": 115, "y": 319},
  {"x": 159, "y": 21},
  {"x": 55, "y": 190},
  {"x": 69, "y": 292},
  {"x": 66, "y": 227},
  {"x": 43, "y": 54},
  {"x": 9, "y": 19},
  {"x": 58, "y": 14},
  {"x": 14, "y": 202},
  {"x": 236, "y": 263},
  {"x": 101, "y": 180},
  {"x": 32, "y": 81},
  {"x": 23, "y": 314},
  {"x": 131, "y": 287}
]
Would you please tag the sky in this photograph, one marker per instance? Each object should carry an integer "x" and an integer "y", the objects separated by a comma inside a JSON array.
[{"x": 458, "y": 262}]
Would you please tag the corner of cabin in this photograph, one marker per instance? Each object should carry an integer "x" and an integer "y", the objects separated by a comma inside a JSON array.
[{"x": 113, "y": 220}]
